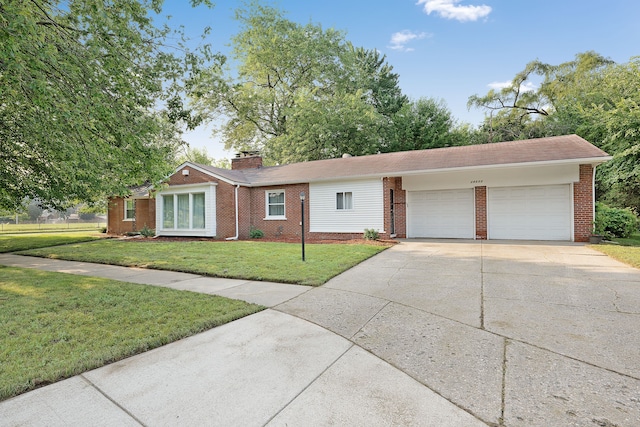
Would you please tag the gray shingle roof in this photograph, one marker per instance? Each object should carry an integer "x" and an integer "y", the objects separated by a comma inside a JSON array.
[{"x": 569, "y": 148}]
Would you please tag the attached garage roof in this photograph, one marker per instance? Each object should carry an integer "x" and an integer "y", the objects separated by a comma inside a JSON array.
[{"x": 558, "y": 149}]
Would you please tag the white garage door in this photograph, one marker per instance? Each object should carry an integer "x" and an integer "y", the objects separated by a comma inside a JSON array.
[
  {"x": 530, "y": 213},
  {"x": 441, "y": 214}
]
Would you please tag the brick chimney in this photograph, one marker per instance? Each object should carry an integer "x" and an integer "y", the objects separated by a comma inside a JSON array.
[{"x": 246, "y": 160}]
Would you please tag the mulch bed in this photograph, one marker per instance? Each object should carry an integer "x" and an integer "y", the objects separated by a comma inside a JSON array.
[{"x": 280, "y": 240}]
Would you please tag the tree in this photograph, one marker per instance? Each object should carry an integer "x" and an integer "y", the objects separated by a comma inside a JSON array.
[
  {"x": 421, "y": 124},
  {"x": 82, "y": 85},
  {"x": 300, "y": 92},
  {"x": 328, "y": 128},
  {"x": 519, "y": 110},
  {"x": 34, "y": 210},
  {"x": 200, "y": 156},
  {"x": 367, "y": 71},
  {"x": 605, "y": 109}
]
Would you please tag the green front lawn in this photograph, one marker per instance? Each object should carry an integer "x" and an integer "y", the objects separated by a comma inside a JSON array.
[
  {"x": 251, "y": 260},
  {"x": 11, "y": 243},
  {"x": 58, "y": 325},
  {"x": 624, "y": 250}
]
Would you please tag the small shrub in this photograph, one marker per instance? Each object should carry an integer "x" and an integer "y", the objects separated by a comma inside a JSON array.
[
  {"x": 256, "y": 233},
  {"x": 371, "y": 234},
  {"x": 103, "y": 229},
  {"x": 147, "y": 232},
  {"x": 614, "y": 222}
]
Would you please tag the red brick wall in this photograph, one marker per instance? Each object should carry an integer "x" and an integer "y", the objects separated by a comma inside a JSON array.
[
  {"x": 583, "y": 205},
  {"x": 273, "y": 229},
  {"x": 145, "y": 215},
  {"x": 400, "y": 207},
  {"x": 481, "y": 212},
  {"x": 194, "y": 177}
]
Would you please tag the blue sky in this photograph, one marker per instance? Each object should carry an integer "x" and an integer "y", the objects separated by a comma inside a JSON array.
[{"x": 444, "y": 49}]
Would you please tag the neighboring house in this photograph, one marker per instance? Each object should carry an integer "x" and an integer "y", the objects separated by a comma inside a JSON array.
[{"x": 538, "y": 189}]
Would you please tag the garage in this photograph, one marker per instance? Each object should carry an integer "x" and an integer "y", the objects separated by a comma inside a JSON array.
[
  {"x": 530, "y": 213},
  {"x": 441, "y": 214}
]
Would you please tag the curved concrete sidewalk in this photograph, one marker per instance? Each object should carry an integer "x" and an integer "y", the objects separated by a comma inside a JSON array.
[
  {"x": 425, "y": 333},
  {"x": 269, "y": 368}
]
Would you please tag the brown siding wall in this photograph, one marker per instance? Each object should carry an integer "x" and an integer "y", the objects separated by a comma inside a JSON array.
[{"x": 583, "y": 205}]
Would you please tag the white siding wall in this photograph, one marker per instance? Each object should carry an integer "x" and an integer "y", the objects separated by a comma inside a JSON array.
[
  {"x": 367, "y": 212},
  {"x": 210, "y": 210}
]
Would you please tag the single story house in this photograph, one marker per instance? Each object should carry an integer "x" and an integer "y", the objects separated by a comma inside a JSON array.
[{"x": 537, "y": 189}]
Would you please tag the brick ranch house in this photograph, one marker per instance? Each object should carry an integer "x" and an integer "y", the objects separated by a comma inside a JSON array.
[{"x": 537, "y": 189}]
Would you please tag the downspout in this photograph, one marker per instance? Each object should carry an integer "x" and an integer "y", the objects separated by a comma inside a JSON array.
[
  {"x": 237, "y": 228},
  {"x": 593, "y": 195}
]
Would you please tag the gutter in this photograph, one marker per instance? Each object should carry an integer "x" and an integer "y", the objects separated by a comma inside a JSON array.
[{"x": 237, "y": 229}]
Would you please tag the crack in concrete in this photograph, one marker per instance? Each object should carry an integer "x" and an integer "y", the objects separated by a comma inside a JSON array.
[
  {"x": 308, "y": 385},
  {"x": 503, "y": 398},
  {"x": 99, "y": 390}
]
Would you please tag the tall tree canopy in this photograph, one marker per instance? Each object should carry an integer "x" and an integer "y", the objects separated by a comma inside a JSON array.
[
  {"x": 590, "y": 96},
  {"x": 301, "y": 92},
  {"x": 82, "y": 84},
  {"x": 518, "y": 110}
]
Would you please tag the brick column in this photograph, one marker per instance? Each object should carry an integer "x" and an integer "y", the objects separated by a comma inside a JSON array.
[
  {"x": 481, "y": 212},
  {"x": 583, "y": 205}
]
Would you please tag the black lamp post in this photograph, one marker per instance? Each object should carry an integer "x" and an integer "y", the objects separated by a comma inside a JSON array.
[{"x": 302, "y": 197}]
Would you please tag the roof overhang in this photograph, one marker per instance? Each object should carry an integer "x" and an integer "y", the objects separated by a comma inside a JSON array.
[{"x": 594, "y": 161}]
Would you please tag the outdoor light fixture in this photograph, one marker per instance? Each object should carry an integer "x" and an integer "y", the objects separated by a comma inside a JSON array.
[{"x": 302, "y": 197}]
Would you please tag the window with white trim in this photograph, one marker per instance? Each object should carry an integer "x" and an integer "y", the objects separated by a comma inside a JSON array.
[
  {"x": 275, "y": 204},
  {"x": 344, "y": 200},
  {"x": 129, "y": 209},
  {"x": 184, "y": 211}
]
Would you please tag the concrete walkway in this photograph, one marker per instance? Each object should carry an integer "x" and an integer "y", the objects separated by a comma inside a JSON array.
[{"x": 442, "y": 333}]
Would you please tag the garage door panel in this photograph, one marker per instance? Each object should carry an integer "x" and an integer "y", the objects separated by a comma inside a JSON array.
[
  {"x": 532, "y": 213},
  {"x": 441, "y": 214}
]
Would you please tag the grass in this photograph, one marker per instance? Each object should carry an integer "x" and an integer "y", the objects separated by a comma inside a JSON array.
[
  {"x": 267, "y": 261},
  {"x": 12, "y": 243},
  {"x": 39, "y": 228},
  {"x": 624, "y": 250},
  {"x": 57, "y": 325}
]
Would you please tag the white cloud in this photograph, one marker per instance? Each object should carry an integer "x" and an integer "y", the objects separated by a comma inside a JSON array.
[
  {"x": 400, "y": 39},
  {"x": 449, "y": 9},
  {"x": 499, "y": 85},
  {"x": 525, "y": 87}
]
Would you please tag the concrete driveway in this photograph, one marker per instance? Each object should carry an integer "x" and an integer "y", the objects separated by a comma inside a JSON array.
[
  {"x": 440, "y": 333},
  {"x": 517, "y": 334}
]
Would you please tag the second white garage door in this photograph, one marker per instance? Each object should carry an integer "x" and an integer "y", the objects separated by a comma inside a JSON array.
[
  {"x": 530, "y": 213},
  {"x": 441, "y": 214}
]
